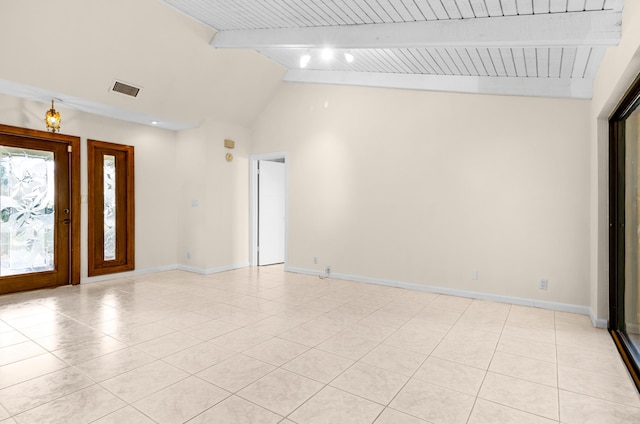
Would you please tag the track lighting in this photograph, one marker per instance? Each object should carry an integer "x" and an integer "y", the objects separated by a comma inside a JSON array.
[
  {"x": 348, "y": 57},
  {"x": 327, "y": 54},
  {"x": 304, "y": 60}
]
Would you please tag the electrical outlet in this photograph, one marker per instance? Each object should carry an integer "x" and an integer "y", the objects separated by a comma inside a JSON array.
[
  {"x": 543, "y": 284},
  {"x": 474, "y": 275},
  {"x": 315, "y": 260}
]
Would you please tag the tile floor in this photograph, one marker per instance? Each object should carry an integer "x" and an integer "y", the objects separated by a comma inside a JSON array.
[{"x": 264, "y": 346}]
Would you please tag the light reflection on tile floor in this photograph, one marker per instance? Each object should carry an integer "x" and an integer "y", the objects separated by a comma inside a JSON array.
[{"x": 263, "y": 346}]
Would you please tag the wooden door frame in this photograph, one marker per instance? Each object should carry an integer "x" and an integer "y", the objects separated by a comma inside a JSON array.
[
  {"x": 125, "y": 193},
  {"x": 74, "y": 143}
]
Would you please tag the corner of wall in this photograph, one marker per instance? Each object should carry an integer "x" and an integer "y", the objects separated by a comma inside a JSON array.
[
  {"x": 213, "y": 220},
  {"x": 598, "y": 322}
]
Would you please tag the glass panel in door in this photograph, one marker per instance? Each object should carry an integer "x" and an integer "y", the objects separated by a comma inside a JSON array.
[
  {"x": 27, "y": 192},
  {"x": 632, "y": 229},
  {"x": 109, "y": 207}
]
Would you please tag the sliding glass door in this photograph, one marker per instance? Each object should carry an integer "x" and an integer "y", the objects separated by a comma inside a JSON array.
[
  {"x": 625, "y": 229},
  {"x": 631, "y": 294}
]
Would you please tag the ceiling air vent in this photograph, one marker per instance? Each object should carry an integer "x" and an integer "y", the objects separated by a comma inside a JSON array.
[{"x": 126, "y": 89}]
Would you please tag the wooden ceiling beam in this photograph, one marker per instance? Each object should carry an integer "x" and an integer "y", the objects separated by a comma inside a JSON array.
[
  {"x": 539, "y": 87},
  {"x": 594, "y": 28}
]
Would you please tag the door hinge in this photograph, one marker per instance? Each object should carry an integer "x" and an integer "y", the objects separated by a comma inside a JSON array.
[
  {"x": 258, "y": 171},
  {"x": 69, "y": 149}
]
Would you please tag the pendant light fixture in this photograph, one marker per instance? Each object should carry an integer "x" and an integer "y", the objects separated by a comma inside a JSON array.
[{"x": 52, "y": 119}]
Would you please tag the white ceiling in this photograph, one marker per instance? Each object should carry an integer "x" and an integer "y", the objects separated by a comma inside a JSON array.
[{"x": 518, "y": 47}]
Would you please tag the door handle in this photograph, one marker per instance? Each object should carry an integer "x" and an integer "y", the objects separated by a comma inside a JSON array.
[{"x": 66, "y": 221}]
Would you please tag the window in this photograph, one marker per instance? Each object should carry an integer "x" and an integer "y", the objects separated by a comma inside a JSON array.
[{"x": 111, "y": 207}]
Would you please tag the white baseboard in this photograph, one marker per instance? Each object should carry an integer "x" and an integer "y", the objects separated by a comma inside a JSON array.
[
  {"x": 139, "y": 272},
  {"x": 633, "y": 328},
  {"x": 215, "y": 270},
  {"x": 554, "y": 306},
  {"x": 134, "y": 273},
  {"x": 598, "y": 322}
]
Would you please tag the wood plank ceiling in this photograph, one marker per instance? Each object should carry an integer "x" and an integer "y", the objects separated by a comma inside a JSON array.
[{"x": 514, "y": 47}]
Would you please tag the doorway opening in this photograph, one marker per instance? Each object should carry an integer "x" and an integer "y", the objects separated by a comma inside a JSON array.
[{"x": 268, "y": 214}]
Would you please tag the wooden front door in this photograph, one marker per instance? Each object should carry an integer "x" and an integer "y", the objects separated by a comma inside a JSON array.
[{"x": 35, "y": 212}]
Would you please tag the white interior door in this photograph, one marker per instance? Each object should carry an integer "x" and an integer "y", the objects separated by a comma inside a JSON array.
[{"x": 271, "y": 212}]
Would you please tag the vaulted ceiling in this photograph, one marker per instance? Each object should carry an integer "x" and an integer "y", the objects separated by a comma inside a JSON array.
[
  {"x": 518, "y": 47},
  {"x": 224, "y": 59}
]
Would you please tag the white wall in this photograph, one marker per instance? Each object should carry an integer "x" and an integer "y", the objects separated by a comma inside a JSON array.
[
  {"x": 425, "y": 188},
  {"x": 620, "y": 66},
  {"x": 191, "y": 162},
  {"x": 155, "y": 174},
  {"x": 215, "y": 234},
  {"x": 227, "y": 197}
]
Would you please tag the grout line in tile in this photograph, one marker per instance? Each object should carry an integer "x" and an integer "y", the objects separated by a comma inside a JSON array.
[
  {"x": 555, "y": 338},
  {"x": 486, "y": 371}
]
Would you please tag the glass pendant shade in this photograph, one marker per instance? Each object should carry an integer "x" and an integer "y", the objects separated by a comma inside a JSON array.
[{"x": 52, "y": 119}]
